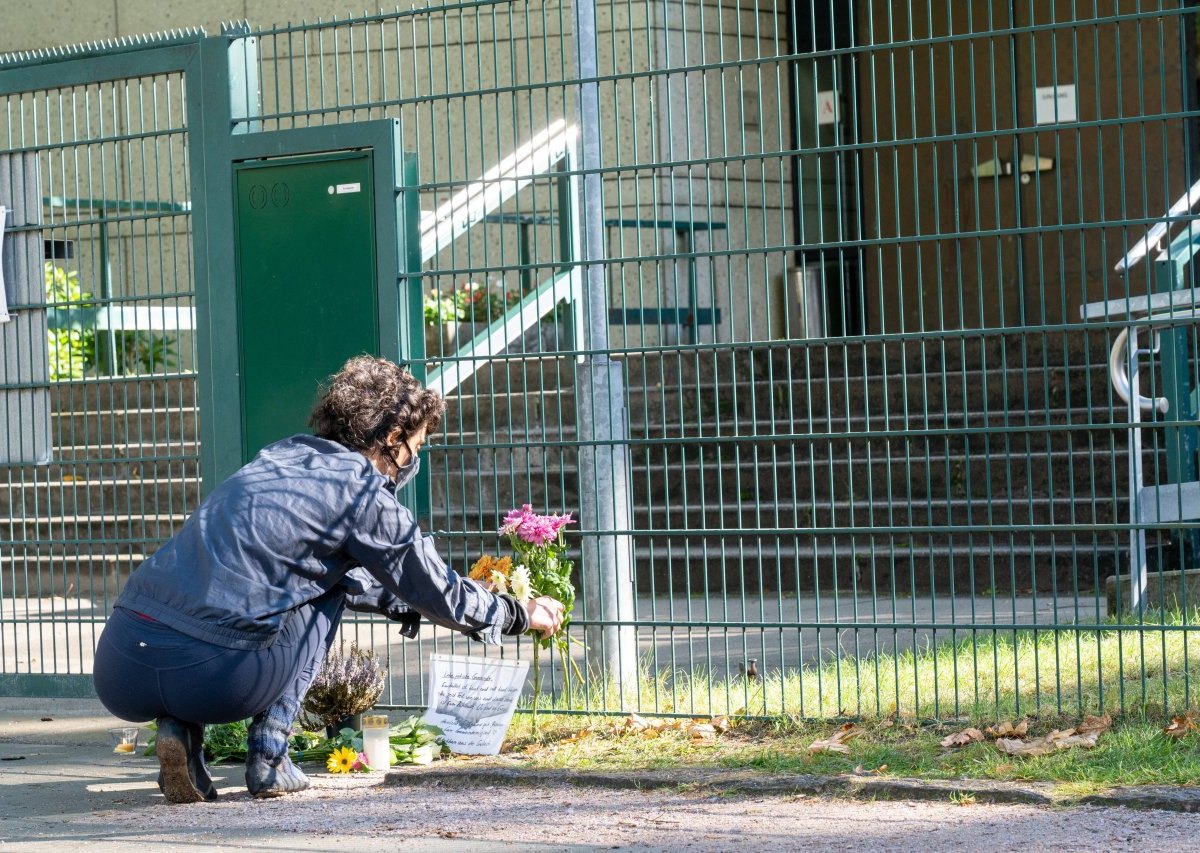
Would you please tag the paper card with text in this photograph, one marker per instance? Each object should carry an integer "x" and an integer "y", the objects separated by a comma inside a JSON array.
[{"x": 473, "y": 699}]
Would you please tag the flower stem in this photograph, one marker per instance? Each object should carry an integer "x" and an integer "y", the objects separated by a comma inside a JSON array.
[
  {"x": 564, "y": 653},
  {"x": 537, "y": 683}
]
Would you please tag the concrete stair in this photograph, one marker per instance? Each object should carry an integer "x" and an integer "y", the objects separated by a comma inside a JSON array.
[
  {"x": 125, "y": 475},
  {"x": 840, "y": 464},
  {"x": 864, "y": 466}
]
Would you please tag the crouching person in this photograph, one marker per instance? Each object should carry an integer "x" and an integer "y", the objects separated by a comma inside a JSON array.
[{"x": 234, "y": 615}]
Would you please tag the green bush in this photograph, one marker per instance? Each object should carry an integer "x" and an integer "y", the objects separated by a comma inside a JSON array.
[{"x": 73, "y": 350}]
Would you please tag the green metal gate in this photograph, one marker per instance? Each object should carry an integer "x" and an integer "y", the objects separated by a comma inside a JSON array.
[{"x": 868, "y": 456}]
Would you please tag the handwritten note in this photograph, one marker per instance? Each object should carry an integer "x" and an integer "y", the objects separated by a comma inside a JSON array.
[{"x": 472, "y": 700}]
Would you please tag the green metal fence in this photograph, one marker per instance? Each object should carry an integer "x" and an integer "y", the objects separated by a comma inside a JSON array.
[{"x": 873, "y": 459}]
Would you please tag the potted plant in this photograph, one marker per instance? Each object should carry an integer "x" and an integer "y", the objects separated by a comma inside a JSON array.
[
  {"x": 454, "y": 317},
  {"x": 344, "y": 687},
  {"x": 441, "y": 323}
]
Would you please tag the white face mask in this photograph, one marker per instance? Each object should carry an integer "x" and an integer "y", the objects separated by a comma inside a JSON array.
[{"x": 407, "y": 471}]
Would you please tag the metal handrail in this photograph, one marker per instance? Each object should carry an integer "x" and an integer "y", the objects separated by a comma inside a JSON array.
[
  {"x": 478, "y": 202},
  {"x": 1118, "y": 375},
  {"x": 1119, "y": 360}
]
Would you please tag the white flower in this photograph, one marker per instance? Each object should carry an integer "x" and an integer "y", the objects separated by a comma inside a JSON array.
[
  {"x": 519, "y": 579},
  {"x": 499, "y": 582}
]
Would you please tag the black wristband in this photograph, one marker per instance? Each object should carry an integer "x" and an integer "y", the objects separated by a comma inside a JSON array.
[{"x": 517, "y": 621}]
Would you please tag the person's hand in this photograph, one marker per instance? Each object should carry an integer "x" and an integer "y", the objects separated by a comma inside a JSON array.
[{"x": 545, "y": 615}]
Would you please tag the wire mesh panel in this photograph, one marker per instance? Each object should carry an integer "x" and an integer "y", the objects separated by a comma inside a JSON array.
[
  {"x": 875, "y": 460},
  {"x": 105, "y": 204},
  {"x": 482, "y": 96}
]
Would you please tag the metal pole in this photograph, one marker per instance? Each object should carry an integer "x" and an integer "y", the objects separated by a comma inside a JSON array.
[
  {"x": 1138, "y": 570},
  {"x": 25, "y": 402},
  {"x": 603, "y": 422}
]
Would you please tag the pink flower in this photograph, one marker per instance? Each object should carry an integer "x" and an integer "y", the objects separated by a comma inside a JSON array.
[
  {"x": 361, "y": 762},
  {"x": 535, "y": 529}
]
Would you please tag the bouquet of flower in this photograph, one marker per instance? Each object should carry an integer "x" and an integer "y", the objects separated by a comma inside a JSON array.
[
  {"x": 495, "y": 572},
  {"x": 538, "y": 567}
]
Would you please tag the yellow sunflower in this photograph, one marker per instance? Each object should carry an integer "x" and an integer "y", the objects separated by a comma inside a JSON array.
[{"x": 341, "y": 760}]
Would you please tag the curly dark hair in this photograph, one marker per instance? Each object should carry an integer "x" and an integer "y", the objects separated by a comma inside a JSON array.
[{"x": 368, "y": 398}]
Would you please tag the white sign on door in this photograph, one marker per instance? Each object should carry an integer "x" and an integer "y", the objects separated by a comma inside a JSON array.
[
  {"x": 827, "y": 107},
  {"x": 1054, "y": 104}
]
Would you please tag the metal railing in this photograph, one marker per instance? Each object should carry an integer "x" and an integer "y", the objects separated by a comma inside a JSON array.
[
  {"x": 916, "y": 509},
  {"x": 551, "y": 152}
]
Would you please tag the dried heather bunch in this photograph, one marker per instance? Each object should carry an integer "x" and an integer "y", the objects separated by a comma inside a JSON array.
[{"x": 346, "y": 684}]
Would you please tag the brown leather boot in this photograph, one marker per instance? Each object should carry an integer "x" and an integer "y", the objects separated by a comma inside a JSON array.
[{"x": 173, "y": 744}]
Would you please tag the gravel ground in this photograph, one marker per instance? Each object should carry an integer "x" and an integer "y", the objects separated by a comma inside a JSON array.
[
  {"x": 61, "y": 788},
  {"x": 361, "y": 813}
]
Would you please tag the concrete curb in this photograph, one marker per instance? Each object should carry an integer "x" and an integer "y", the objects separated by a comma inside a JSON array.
[{"x": 1166, "y": 798}]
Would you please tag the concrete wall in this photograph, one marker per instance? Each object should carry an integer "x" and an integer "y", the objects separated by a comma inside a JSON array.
[{"x": 472, "y": 85}]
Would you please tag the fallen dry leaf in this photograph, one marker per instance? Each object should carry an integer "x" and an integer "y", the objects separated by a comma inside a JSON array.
[
  {"x": 887, "y": 724},
  {"x": 1008, "y": 730},
  {"x": 1087, "y": 740},
  {"x": 1012, "y": 746},
  {"x": 1099, "y": 725},
  {"x": 836, "y": 742},
  {"x": 705, "y": 731},
  {"x": 1019, "y": 748},
  {"x": 1085, "y": 736},
  {"x": 963, "y": 738},
  {"x": 859, "y": 771},
  {"x": 636, "y": 723},
  {"x": 578, "y": 736},
  {"x": 1183, "y": 724}
]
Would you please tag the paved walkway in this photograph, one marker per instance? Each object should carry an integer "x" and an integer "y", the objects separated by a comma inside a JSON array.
[{"x": 61, "y": 788}]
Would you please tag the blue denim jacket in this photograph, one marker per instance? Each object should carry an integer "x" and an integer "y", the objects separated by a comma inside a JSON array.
[{"x": 286, "y": 529}]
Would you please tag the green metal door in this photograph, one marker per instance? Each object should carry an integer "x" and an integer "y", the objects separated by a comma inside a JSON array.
[{"x": 307, "y": 290}]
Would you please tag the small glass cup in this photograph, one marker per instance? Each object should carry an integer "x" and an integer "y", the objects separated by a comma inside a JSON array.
[{"x": 125, "y": 740}]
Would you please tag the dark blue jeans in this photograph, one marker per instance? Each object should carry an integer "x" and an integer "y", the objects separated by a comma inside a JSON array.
[{"x": 145, "y": 669}]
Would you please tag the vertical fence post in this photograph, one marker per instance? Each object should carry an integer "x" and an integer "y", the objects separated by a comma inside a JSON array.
[
  {"x": 604, "y": 488},
  {"x": 25, "y": 402}
]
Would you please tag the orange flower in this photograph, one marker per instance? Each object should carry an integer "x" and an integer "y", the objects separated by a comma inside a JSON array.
[
  {"x": 480, "y": 570},
  {"x": 487, "y": 565}
]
